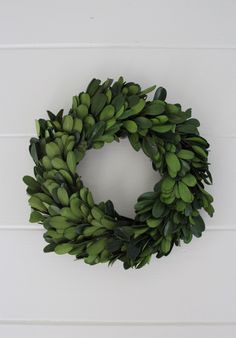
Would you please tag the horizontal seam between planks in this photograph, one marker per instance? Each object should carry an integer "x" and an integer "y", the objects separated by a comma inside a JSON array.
[
  {"x": 45, "y": 322},
  {"x": 131, "y": 45}
]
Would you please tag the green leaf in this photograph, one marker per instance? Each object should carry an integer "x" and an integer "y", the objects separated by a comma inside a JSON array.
[
  {"x": 82, "y": 111},
  {"x": 37, "y": 126},
  {"x": 167, "y": 184},
  {"x": 169, "y": 227},
  {"x": 59, "y": 222},
  {"x": 134, "y": 89},
  {"x": 189, "y": 180},
  {"x": 156, "y": 107},
  {"x": 134, "y": 141},
  {"x": 104, "y": 138},
  {"x": 172, "y": 162},
  {"x": 34, "y": 152},
  {"x": 52, "y": 150},
  {"x": 93, "y": 86},
  {"x": 143, "y": 206},
  {"x": 58, "y": 163},
  {"x": 36, "y": 217},
  {"x": 63, "y": 196},
  {"x": 70, "y": 233},
  {"x": 179, "y": 116},
  {"x": 185, "y": 154},
  {"x": 118, "y": 102},
  {"x": 153, "y": 222},
  {"x": 68, "y": 123},
  {"x": 158, "y": 209},
  {"x": 162, "y": 129},
  {"x": 187, "y": 129},
  {"x": 198, "y": 226},
  {"x": 107, "y": 222},
  {"x": 132, "y": 100},
  {"x": 75, "y": 207},
  {"x": 97, "y": 213},
  {"x": 172, "y": 108},
  {"x": 138, "y": 107},
  {"x": 32, "y": 183},
  {"x": 193, "y": 122},
  {"x": 71, "y": 162},
  {"x": 64, "y": 248},
  {"x": 165, "y": 245},
  {"x": 199, "y": 140},
  {"x": 37, "y": 204},
  {"x": 107, "y": 113},
  {"x": 160, "y": 94},
  {"x": 139, "y": 231},
  {"x": 49, "y": 248},
  {"x": 185, "y": 193},
  {"x": 78, "y": 124},
  {"x": 98, "y": 103},
  {"x": 147, "y": 90},
  {"x": 67, "y": 213},
  {"x": 143, "y": 122},
  {"x": 150, "y": 195},
  {"x": 98, "y": 129},
  {"x": 66, "y": 176},
  {"x": 200, "y": 151},
  {"x": 85, "y": 99},
  {"x": 149, "y": 146},
  {"x": 113, "y": 245},
  {"x": 44, "y": 197},
  {"x": 132, "y": 251},
  {"x": 97, "y": 247},
  {"x": 130, "y": 125}
]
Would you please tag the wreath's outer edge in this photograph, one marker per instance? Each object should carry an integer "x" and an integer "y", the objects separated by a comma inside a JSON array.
[{"x": 74, "y": 223}]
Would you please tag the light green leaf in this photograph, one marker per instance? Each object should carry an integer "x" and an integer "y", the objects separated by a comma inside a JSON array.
[
  {"x": 200, "y": 151},
  {"x": 64, "y": 248},
  {"x": 71, "y": 161},
  {"x": 153, "y": 222},
  {"x": 59, "y": 222},
  {"x": 107, "y": 113},
  {"x": 189, "y": 180},
  {"x": 36, "y": 217},
  {"x": 37, "y": 204},
  {"x": 173, "y": 162},
  {"x": 185, "y": 154},
  {"x": 97, "y": 247},
  {"x": 68, "y": 123},
  {"x": 63, "y": 196},
  {"x": 97, "y": 213},
  {"x": 167, "y": 184},
  {"x": 185, "y": 193},
  {"x": 52, "y": 150},
  {"x": 131, "y": 126}
]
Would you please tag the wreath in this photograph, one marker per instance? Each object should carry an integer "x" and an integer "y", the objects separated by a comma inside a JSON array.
[{"x": 96, "y": 232}]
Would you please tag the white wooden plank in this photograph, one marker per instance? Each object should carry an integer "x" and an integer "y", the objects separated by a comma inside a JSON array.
[
  {"x": 33, "y": 81},
  {"x": 194, "y": 284},
  {"x": 114, "y": 176},
  {"x": 191, "y": 22},
  {"x": 180, "y": 331}
]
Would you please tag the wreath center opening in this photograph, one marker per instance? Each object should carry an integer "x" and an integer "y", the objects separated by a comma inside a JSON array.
[{"x": 118, "y": 173}]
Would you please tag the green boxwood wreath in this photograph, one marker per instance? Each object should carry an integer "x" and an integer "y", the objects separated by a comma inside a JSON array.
[{"x": 95, "y": 232}]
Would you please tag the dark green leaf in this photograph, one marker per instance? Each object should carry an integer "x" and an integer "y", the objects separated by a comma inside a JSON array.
[
  {"x": 93, "y": 86},
  {"x": 158, "y": 209},
  {"x": 98, "y": 103},
  {"x": 160, "y": 94}
]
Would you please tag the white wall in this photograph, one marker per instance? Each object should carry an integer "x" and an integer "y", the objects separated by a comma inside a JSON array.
[{"x": 49, "y": 50}]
